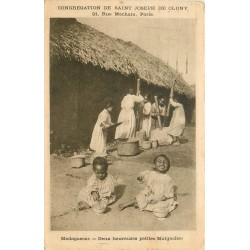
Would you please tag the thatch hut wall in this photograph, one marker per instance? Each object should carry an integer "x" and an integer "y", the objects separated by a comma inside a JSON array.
[
  {"x": 87, "y": 67},
  {"x": 78, "y": 93}
]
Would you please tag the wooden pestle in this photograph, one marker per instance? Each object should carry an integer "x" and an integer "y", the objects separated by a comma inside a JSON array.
[{"x": 157, "y": 110}]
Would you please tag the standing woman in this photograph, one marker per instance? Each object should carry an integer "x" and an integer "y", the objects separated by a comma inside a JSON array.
[
  {"x": 127, "y": 116},
  {"x": 177, "y": 123},
  {"x": 162, "y": 112},
  {"x": 146, "y": 122},
  {"x": 99, "y": 136}
]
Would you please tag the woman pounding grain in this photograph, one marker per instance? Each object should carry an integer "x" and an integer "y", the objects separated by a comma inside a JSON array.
[
  {"x": 162, "y": 112},
  {"x": 127, "y": 116}
]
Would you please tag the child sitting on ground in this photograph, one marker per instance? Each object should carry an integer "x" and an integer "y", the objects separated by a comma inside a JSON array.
[
  {"x": 100, "y": 187},
  {"x": 158, "y": 192}
]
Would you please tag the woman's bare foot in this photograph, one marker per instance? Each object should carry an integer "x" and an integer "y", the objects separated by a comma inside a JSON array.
[
  {"x": 83, "y": 206},
  {"x": 136, "y": 206}
]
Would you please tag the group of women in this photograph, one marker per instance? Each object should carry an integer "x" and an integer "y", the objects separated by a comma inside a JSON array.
[{"x": 127, "y": 120}]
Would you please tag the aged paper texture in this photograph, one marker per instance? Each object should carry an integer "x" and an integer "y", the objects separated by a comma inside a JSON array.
[{"x": 124, "y": 125}]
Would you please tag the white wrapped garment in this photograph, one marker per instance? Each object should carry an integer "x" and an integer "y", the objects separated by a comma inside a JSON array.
[
  {"x": 105, "y": 189},
  {"x": 157, "y": 186},
  {"x": 127, "y": 117},
  {"x": 177, "y": 123},
  {"x": 146, "y": 123},
  {"x": 99, "y": 135}
]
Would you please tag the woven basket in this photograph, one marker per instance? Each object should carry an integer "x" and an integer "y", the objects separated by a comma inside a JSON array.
[{"x": 128, "y": 148}]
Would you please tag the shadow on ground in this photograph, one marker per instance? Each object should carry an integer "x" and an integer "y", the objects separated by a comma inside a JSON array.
[
  {"x": 67, "y": 182},
  {"x": 119, "y": 191}
]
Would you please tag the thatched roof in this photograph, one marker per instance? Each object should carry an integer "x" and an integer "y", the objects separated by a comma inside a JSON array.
[{"x": 71, "y": 40}]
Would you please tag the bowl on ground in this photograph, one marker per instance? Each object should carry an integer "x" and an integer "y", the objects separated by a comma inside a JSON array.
[
  {"x": 161, "y": 213},
  {"x": 99, "y": 208}
]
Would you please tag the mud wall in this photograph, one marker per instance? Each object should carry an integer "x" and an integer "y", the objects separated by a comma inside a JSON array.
[{"x": 78, "y": 93}]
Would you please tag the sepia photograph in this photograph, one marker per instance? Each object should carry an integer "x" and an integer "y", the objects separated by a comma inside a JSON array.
[{"x": 122, "y": 96}]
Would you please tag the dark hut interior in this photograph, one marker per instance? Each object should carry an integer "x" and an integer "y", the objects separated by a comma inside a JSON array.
[{"x": 79, "y": 87}]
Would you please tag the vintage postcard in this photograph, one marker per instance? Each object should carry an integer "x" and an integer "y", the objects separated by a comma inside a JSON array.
[{"x": 124, "y": 124}]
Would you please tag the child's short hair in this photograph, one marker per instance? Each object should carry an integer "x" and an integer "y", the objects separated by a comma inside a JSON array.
[
  {"x": 162, "y": 155},
  {"x": 100, "y": 161}
]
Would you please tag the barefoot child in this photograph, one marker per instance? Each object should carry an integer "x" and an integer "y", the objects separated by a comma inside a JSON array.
[
  {"x": 100, "y": 187},
  {"x": 158, "y": 192}
]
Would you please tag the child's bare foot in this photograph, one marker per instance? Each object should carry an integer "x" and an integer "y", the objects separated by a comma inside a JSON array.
[
  {"x": 136, "y": 206},
  {"x": 177, "y": 143},
  {"x": 127, "y": 204},
  {"x": 83, "y": 206},
  {"x": 121, "y": 206}
]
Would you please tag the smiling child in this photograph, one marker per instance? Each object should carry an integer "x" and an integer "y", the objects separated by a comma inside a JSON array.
[{"x": 158, "y": 192}]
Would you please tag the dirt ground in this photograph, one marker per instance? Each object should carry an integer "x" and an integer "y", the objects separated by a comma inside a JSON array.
[{"x": 66, "y": 182}]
